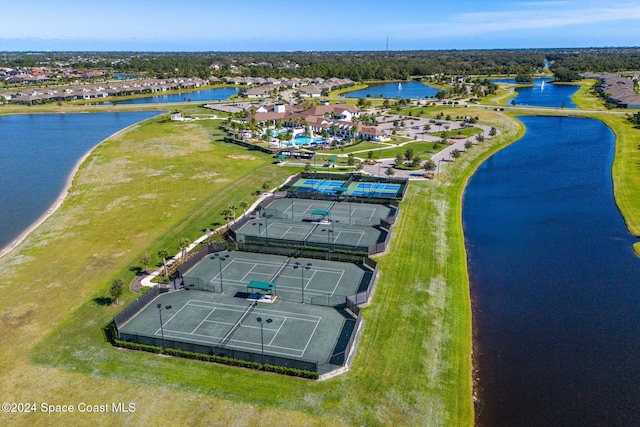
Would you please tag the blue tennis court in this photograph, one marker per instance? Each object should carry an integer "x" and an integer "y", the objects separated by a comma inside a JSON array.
[
  {"x": 320, "y": 190},
  {"x": 322, "y": 183},
  {"x": 332, "y": 187},
  {"x": 389, "y": 195},
  {"x": 322, "y": 186},
  {"x": 373, "y": 186}
]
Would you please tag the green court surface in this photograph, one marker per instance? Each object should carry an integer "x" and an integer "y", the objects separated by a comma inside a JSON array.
[
  {"x": 319, "y": 281},
  {"x": 294, "y": 330},
  {"x": 324, "y": 233},
  {"x": 344, "y": 212}
]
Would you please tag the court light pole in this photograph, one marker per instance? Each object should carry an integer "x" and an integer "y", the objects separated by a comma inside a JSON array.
[
  {"x": 259, "y": 320},
  {"x": 329, "y": 232},
  {"x": 302, "y": 269},
  {"x": 166, "y": 307},
  {"x": 220, "y": 259},
  {"x": 292, "y": 208},
  {"x": 266, "y": 226},
  {"x": 259, "y": 224}
]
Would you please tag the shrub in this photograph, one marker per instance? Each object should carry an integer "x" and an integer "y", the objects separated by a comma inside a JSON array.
[{"x": 284, "y": 370}]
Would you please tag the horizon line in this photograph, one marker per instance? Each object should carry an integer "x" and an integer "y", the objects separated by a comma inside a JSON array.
[{"x": 317, "y": 50}]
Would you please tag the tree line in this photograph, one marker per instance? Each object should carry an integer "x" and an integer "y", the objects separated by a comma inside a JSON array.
[{"x": 567, "y": 64}]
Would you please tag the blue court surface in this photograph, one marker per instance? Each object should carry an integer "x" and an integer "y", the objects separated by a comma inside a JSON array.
[{"x": 354, "y": 189}]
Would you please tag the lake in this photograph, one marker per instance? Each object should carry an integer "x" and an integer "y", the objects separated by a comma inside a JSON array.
[
  {"x": 217, "y": 94},
  {"x": 409, "y": 90},
  {"x": 38, "y": 153},
  {"x": 542, "y": 94},
  {"x": 554, "y": 281}
]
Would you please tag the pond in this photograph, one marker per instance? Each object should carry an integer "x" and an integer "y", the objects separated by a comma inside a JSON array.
[
  {"x": 217, "y": 94},
  {"x": 543, "y": 93},
  {"x": 554, "y": 281},
  {"x": 409, "y": 90}
]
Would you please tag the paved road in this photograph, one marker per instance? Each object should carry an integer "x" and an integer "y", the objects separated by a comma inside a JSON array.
[{"x": 441, "y": 159}]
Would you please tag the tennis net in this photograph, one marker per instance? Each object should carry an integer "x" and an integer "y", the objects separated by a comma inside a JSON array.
[{"x": 235, "y": 327}]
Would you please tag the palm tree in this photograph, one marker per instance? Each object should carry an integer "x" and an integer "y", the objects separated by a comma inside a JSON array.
[
  {"x": 227, "y": 214},
  {"x": 232, "y": 208},
  {"x": 183, "y": 245},
  {"x": 244, "y": 205},
  {"x": 354, "y": 130},
  {"x": 164, "y": 254}
]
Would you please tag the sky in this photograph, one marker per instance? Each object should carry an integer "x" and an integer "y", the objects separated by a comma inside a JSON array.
[{"x": 288, "y": 25}]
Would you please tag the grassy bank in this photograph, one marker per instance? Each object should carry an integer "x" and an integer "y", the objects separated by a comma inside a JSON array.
[{"x": 626, "y": 170}]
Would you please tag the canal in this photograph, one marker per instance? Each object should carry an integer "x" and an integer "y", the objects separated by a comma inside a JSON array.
[{"x": 554, "y": 281}]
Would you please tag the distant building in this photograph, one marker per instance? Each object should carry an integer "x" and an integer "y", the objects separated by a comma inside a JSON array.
[{"x": 617, "y": 89}]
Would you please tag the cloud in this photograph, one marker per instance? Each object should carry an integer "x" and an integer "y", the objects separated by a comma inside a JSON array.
[{"x": 537, "y": 15}]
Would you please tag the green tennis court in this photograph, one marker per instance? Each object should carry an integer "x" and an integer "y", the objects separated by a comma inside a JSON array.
[
  {"x": 344, "y": 212},
  {"x": 315, "y": 281},
  {"x": 292, "y": 330},
  {"x": 326, "y": 234}
]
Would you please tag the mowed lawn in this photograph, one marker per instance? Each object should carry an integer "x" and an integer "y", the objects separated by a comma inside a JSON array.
[
  {"x": 626, "y": 170},
  {"x": 145, "y": 190}
]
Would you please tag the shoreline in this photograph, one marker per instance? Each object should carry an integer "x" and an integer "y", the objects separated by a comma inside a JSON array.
[
  {"x": 57, "y": 203},
  {"x": 62, "y": 196}
]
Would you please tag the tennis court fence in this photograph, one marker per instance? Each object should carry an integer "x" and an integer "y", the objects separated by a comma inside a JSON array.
[
  {"x": 199, "y": 284},
  {"x": 290, "y": 251},
  {"x": 217, "y": 350},
  {"x": 271, "y": 242},
  {"x": 259, "y": 212},
  {"x": 200, "y": 255},
  {"x": 125, "y": 315}
]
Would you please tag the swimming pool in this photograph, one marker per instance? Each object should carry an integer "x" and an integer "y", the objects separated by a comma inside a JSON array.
[{"x": 305, "y": 140}]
